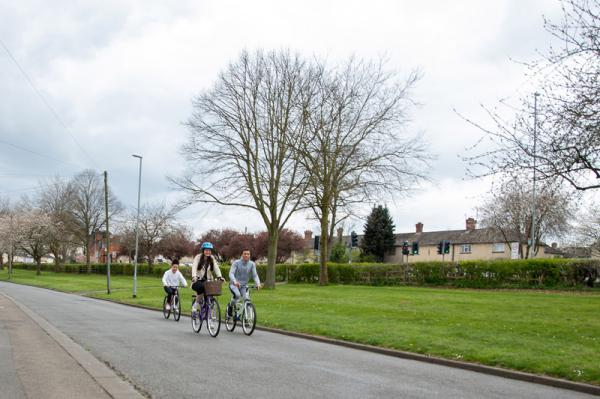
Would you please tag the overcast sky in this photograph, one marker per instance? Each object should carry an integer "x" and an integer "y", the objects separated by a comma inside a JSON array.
[{"x": 117, "y": 78}]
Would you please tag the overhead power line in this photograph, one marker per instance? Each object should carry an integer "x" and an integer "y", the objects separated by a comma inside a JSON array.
[
  {"x": 35, "y": 152},
  {"x": 46, "y": 103}
]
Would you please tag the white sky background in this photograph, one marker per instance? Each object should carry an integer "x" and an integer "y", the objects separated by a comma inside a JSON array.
[{"x": 121, "y": 76}]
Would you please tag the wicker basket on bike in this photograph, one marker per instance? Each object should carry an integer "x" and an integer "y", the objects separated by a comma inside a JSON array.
[{"x": 213, "y": 287}]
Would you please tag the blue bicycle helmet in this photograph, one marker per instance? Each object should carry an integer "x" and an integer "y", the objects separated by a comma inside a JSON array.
[{"x": 206, "y": 245}]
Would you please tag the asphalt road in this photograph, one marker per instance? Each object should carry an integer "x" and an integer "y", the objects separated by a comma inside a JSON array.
[{"x": 166, "y": 359}]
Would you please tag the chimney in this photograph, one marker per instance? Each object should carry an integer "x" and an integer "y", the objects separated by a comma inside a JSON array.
[
  {"x": 471, "y": 224},
  {"x": 308, "y": 235},
  {"x": 554, "y": 245},
  {"x": 419, "y": 227}
]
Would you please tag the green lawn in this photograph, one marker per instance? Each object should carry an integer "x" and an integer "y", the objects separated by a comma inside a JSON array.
[{"x": 545, "y": 332}]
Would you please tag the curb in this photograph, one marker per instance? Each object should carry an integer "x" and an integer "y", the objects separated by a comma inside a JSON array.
[
  {"x": 106, "y": 378},
  {"x": 476, "y": 367}
]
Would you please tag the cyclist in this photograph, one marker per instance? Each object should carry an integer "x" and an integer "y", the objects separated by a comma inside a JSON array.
[
  {"x": 171, "y": 280},
  {"x": 204, "y": 267},
  {"x": 239, "y": 275}
]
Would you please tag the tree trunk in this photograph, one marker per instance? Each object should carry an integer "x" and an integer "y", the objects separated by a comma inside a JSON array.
[
  {"x": 1, "y": 260},
  {"x": 323, "y": 277},
  {"x": 88, "y": 263},
  {"x": 38, "y": 268},
  {"x": 272, "y": 258},
  {"x": 56, "y": 253}
]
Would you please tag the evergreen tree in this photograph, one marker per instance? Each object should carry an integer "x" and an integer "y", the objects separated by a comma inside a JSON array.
[{"x": 379, "y": 233}]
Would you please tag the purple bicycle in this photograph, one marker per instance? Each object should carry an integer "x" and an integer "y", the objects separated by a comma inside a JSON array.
[{"x": 209, "y": 310}]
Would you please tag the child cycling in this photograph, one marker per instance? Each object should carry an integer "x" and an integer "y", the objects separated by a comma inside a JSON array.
[
  {"x": 171, "y": 280},
  {"x": 203, "y": 268},
  {"x": 239, "y": 275}
]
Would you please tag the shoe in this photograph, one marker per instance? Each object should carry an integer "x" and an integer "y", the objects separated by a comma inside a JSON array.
[
  {"x": 229, "y": 311},
  {"x": 168, "y": 307}
]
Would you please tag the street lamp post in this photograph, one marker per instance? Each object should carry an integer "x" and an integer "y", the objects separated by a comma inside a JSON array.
[
  {"x": 532, "y": 235},
  {"x": 137, "y": 222}
]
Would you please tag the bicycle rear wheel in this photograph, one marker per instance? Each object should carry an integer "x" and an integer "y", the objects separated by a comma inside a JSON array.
[
  {"x": 248, "y": 318},
  {"x": 230, "y": 321},
  {"x": 176, "y": 308},
  {"x": 166, "y": 312},
  {"x": 213, "y": 319},
  {"x": 196, "y": 321}
]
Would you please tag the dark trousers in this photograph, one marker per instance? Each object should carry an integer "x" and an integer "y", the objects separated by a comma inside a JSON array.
[
  {"x": 198, "y": 286},
  {"x": 170, "y": 291}
]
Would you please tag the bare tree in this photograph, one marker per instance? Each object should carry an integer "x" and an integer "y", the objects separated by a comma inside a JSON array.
[
  {"x": 56, "y": 197},
  {"x": 589, "y": 228},
  {"x": 568, "y": 133},
  {"x": 33, "y": 231},
  {"x": 5, "y": 227},
  {"x": 87, "y": 209},
  {"x": 155, "y": 223},
  {"x": 508, "y": 209},
  {"x": 356, "y": 150},
  {"x": 242, "y": 138}
]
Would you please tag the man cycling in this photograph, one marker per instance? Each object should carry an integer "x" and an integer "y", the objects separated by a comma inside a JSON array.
[
  {"x": 239, "y": 275},
  {"x": 171, "y": 280},
  {"x": 203, "y": 268}
]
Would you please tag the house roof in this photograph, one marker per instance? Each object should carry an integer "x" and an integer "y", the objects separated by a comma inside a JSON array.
[{"x": 475, "y": 236}]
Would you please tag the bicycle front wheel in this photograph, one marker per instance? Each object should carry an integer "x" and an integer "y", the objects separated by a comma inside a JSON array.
[
  {"x": 176, "y": 308},
  {"x": 166, "y": 312},
  {"x": 248, "y": 318},
  {"x": 213, "y": 319},
  {"x": 196, "y": 321}
]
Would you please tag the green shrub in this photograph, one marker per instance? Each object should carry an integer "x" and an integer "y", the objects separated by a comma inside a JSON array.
[{"x": 504, "y": 273}]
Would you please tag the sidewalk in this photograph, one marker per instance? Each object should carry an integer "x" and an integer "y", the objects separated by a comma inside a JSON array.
[{"x": 34, "y": 365}]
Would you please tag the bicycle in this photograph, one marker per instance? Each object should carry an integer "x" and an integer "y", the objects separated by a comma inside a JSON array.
[
  {"x": 175, "y": 305},
  {"x": 244, "y": 311},
  {"x": 209, "y": 309}
]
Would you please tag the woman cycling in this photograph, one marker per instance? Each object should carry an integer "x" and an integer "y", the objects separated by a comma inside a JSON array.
[{"x": 204, "y": 268}]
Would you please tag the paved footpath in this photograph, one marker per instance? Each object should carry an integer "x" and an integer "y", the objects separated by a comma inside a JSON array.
[
  {"x": 165, "y": 359},
  {"x": 39, "y": 361},
  {"x": 34, "y": 365}
]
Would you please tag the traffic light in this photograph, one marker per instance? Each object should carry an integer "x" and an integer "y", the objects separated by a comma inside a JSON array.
[
  {"x": 353, "y": 240},
  {"x": 440, "y": 247},
  {"x": 446, "y": 247},
  {"x": 415, "y": 248},
  {"x": 405, "y": 248}
]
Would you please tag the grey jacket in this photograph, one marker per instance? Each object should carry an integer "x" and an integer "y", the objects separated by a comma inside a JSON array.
[{"x": 241, "y": 271}]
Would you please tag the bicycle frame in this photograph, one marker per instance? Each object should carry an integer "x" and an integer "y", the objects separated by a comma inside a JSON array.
[{"x": 240, "y": 313}]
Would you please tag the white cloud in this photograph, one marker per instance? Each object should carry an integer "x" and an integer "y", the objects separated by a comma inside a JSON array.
[{"x": 121, "y": 75}]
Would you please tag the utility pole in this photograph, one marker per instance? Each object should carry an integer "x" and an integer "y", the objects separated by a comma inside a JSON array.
[
  {"x": 137, "y": 222},
  {"x": 10, "y": 249},
  {"x": 532, "y": 233},
  {"x": 107, "y": 251}
]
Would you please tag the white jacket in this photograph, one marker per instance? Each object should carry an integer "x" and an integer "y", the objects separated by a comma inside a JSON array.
[{"x": 171, "y": 279}]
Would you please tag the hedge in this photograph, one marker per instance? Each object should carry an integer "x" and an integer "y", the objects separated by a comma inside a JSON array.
[{"x": 522, "y": 273}]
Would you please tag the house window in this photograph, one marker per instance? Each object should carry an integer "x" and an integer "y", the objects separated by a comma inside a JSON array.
[
  {"x": 392, "y": 251},
  {"x": 498, "y": 247},
  {"x": 465, "y": 249}
]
